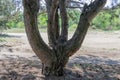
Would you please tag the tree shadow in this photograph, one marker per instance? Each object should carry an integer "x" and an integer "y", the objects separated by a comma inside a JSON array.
[
  {"x": 93, "y": 60},
  {"x": 20, "y": 68},
  {"x": 96, "y": 68},
  {"x": 9, "y": 36}
]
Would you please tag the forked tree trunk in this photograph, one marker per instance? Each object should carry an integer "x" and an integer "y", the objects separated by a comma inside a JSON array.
[
  {"x": 55, "y": 55},
  {"x": 57, "y": 64}
]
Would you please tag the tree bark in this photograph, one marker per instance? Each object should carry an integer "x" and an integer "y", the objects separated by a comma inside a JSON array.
[
  {"x": 55, "y": 56},
  {"x": 64, "y": 20},
  {"x": 31, "y": 8},
  {"x": 53, "y": 26},
  {"x": 88, "y": 13},
  {"x": 57, "y": 65}
]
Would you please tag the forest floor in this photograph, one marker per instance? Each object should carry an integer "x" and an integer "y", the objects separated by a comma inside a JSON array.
[{"x": 98, "y": 58}]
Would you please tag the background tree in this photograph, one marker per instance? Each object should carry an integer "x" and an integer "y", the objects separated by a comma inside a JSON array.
[
  {"x": 5, "y": 10},
  {"x": 9, "y": 13},
  {"x": 55, "y": 55},
  {"x": 109, "y": 18}
]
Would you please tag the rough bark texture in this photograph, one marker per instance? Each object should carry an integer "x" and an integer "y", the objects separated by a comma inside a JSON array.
[
  {"x": 31, "y": 8},
  {"x": 64, "y": 20},
  {"x": 88, "y": 13},
  {"x": 55, "y": 55}
]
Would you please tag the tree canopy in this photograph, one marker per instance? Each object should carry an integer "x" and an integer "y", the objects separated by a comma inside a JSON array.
[{"x": 11, "y": 14}]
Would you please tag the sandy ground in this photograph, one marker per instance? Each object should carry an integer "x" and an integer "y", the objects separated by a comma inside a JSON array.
[
  {"x": 97, "y": 44},
  {"x": 98, "y": 50}
]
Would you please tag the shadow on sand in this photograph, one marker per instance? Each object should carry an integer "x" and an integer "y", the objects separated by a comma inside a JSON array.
[
  {"x": 20, "y": 68},
  {"x": 9, "y": 36}
]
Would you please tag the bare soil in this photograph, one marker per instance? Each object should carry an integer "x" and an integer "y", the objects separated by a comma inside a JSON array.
[{"x": 98, "y": 58}]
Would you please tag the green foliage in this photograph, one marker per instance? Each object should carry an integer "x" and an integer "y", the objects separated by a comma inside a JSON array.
[
  {"x": 20, "y": 24},
  {"x": 108, "y": 20},
  {"x": 73, "y": 16},
  {"x": 73, "y": 27},
  {"x": 2, "y": 40},
  {"x": 11, "y": 24},
  {"x": 16, "y": 21},
  {"x": 105, "y": 20},
  {"x": 6, "y": 9},
  {"x": 10, "y": 16},
  {"x": 102, "y": 20},
  {"x": 42, "y": 20}
]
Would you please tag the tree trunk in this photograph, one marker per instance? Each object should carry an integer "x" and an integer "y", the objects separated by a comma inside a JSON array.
[
  {"x": 55, "y": 56},
  {"x": 58, "y": 61},
  {"x": 56, "y": 67}
]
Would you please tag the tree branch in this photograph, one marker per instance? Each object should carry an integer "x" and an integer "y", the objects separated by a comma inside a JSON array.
[
  {"x": 51, "y": 17},
  {"x": 88, "y": 13},
  {"x": 31, "y": 8},
  {"x": 64, "y": 19},
  {"x": 48, "y": 5},
  {"x": 56, "y": 27}
]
